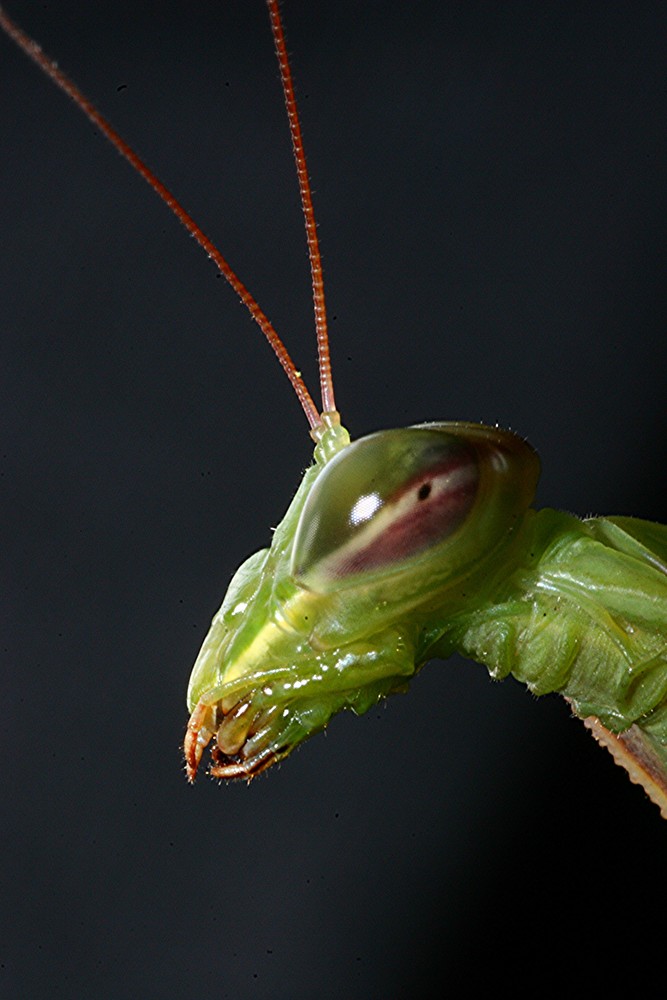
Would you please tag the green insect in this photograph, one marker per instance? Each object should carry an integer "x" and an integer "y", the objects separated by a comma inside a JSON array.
[{"x": 410, "y": 544}]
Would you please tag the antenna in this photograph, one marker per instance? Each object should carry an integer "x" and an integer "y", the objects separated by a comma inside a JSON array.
[
  {"x": 324, "y": 359},
  {"x": 52, "y": 70}
]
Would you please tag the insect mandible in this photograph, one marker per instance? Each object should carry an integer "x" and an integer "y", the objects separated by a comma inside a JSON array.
[{"x": 410, "y": 544}]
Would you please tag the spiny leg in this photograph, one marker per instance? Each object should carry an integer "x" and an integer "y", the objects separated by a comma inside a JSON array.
[{"x": 633, "y": 751}]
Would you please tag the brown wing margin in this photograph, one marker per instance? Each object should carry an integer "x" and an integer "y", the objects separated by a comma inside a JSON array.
[{"x": 637, "y": 753}]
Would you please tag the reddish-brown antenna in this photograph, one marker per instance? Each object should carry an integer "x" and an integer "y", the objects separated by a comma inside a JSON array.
[
  {"x": 324, "y": 359},
  {"x": 33, "y": 50}
]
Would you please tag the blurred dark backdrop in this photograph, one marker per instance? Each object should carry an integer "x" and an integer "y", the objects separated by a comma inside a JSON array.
[{"x": 490, "y": 188}]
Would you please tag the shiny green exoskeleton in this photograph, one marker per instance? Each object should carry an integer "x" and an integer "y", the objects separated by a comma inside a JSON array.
[
  {"x": 412, "y": 544},
  {"x": 408, "y": 545}
]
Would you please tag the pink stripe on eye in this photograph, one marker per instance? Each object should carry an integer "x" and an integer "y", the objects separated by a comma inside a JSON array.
[{"x": 441, "y": 500}]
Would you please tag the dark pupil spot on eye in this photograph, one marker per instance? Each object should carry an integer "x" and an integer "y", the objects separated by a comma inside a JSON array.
[{"x": 424, "y": 491}]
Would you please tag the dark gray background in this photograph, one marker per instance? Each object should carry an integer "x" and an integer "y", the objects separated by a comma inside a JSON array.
[{"x": 490, "y": 188}]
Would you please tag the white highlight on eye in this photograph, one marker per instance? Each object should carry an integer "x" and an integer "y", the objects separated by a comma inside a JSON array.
[
  {"x": 386, "y": 513},
  {"x": 365, "y": 507}
]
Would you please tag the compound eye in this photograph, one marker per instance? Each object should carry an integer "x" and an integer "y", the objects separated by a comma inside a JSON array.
[{"x": 384, "y": 501}]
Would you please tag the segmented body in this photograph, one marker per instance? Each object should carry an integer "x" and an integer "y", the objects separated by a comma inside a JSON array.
[{"x": 584, "y": 615}]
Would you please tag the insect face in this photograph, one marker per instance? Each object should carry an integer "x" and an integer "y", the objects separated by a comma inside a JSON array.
[{"x": 394, "y": 531}]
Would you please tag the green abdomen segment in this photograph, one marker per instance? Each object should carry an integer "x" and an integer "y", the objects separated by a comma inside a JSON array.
[{"x": 584, "y": 614}]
